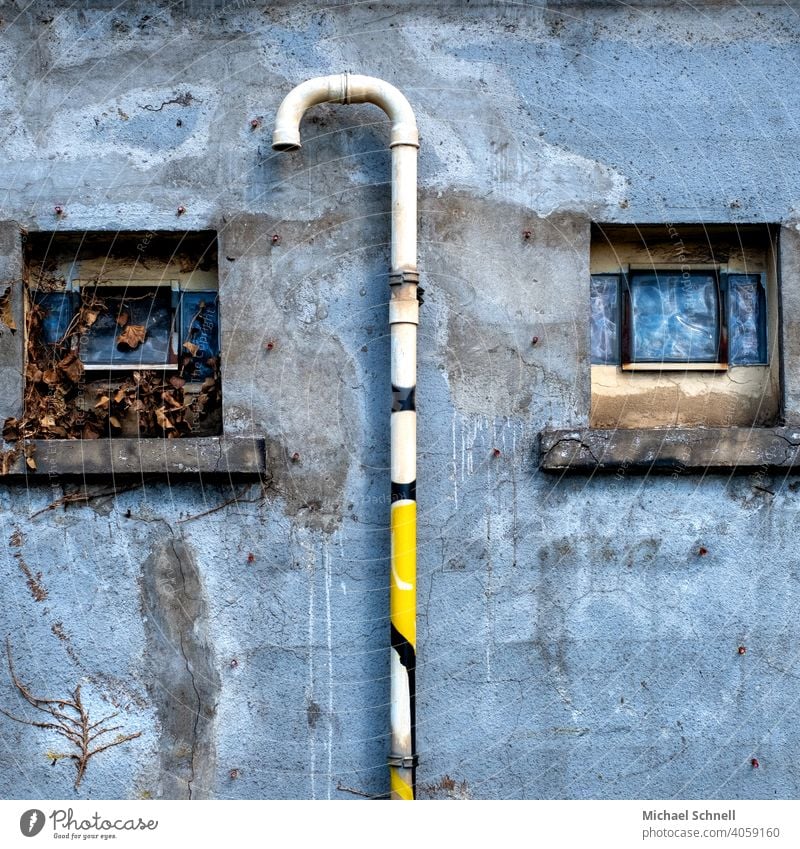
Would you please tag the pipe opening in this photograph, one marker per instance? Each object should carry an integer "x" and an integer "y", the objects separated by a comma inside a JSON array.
[{"x": 285, "y": 146}]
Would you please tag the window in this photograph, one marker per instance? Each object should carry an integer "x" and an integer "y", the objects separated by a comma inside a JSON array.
[
  {"x": 143, "y": 324},
  {"x": 683, "y": 323},
  {"x": 122, "y": 336},
  {"x": 678, "y": 318}
]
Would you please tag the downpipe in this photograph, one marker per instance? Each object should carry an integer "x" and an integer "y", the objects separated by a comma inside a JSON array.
[{"x": 403, "y": 321}]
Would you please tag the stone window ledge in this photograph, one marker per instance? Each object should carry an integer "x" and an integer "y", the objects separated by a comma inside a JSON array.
[
  {"x": 687, "y": 449},
  {"x": 187, "y": 458}
]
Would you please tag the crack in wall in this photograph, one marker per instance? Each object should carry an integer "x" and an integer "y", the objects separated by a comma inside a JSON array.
[
  {"x": 191, "y": 677},
  {"x": 181, "y": 669}
]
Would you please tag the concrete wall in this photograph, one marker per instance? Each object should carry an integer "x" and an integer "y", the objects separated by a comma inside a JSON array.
[{"x": 573, "y": 639}]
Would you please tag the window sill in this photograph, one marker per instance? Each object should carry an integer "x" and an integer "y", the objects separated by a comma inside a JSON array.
[
  {"x": 193, "y": 457},
  {"x": 680, "y": 367},
  {"x": 686, "y": 449}
]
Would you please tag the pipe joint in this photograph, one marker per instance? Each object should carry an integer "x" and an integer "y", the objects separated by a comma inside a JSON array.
[
  {"x": 403, "y": 275},
  {"x": 403, "y": 761}
]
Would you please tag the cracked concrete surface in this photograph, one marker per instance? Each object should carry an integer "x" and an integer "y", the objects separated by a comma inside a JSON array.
[
  {"x": 181, "y": 669},
  {"x": 573, "y": 643}
]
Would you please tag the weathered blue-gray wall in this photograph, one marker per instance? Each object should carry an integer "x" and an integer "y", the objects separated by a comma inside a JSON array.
[{"x": 572, "y": 643}]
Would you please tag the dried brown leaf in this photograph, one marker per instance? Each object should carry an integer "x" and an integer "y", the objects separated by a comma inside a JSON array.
[
  {"x": 131, "y": 337},
  {"x": 6, "y": 314},
  {"x": 11, "y": 430},
  {"x": 191, "y": 348},
  {"x": 162, "y": 419},
  {"x": 71, "y": 367},
  {"x": 171, "y": 402}
]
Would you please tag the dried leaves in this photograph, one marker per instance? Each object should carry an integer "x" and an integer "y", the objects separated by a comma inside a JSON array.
[
  {"x": 6, "y": 313},
  {"x": 60, "y": 405},
  {"x": 70, "y": 368},
  {"x": 132, "y": 336}
]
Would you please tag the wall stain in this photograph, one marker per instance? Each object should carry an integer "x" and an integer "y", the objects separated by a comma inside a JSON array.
[{"x": 181, "y": 670}]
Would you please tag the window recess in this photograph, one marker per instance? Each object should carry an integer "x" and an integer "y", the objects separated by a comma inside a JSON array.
[
  {"x": 123, "y": 337},
  {"x": 683, "y": 326}
]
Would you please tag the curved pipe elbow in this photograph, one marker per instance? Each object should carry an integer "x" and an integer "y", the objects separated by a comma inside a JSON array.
[{"x": 343, "y": 88}]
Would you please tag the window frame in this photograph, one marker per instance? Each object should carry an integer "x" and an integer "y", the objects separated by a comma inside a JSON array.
[
  {"x": 622, "y": 357},
  {"x": 178, "y": 326}
]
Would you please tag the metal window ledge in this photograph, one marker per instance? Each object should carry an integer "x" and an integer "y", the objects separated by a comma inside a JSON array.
[
  {"x": 175, "y": 459},
  {"x": 686, "y": 449}
]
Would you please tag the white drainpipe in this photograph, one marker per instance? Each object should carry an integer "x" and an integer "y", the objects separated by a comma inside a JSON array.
[{"x": 403, "y": 319}]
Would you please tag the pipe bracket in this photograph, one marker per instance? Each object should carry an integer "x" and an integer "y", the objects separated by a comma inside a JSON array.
[
  {"x": 397, "y": 278},
  {"x": 403, "y": 761}
]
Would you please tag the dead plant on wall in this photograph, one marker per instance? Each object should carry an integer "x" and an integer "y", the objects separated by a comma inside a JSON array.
[{"x": 69, "y": 718}]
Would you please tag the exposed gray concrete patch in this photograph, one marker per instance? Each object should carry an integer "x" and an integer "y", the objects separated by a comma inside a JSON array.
[
  {"x": 496, "y": 307},
  {"x": 11, "y": 341},
  {"x": 192, "y": 457},
  {"x": 184, "y": 681},
  {"x": 682, "y": 449}
]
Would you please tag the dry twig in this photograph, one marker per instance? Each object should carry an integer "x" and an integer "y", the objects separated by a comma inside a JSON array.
[{"x": 70, "y": 719}]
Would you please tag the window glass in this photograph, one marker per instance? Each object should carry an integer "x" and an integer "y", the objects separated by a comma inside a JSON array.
[
  {"x": 604, "y": 294},
  {"x": 674, "y": 317},
  {"x": 133, "y": 330},
  {"x": 747, "y": 320},
  {"x": 59, "y": 310},
  {"x": 199, "y": 334}
]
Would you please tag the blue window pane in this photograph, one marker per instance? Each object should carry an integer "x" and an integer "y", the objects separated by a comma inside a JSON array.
[
  {"x": 59, "y": 310},
  {"x": 604, "y": 296},
  {"x": 747, "y": 325},
  {"x": 199, "y": 334},
  {"x": 151, "y": 309},
  {"x": 674, "y": 317}
]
